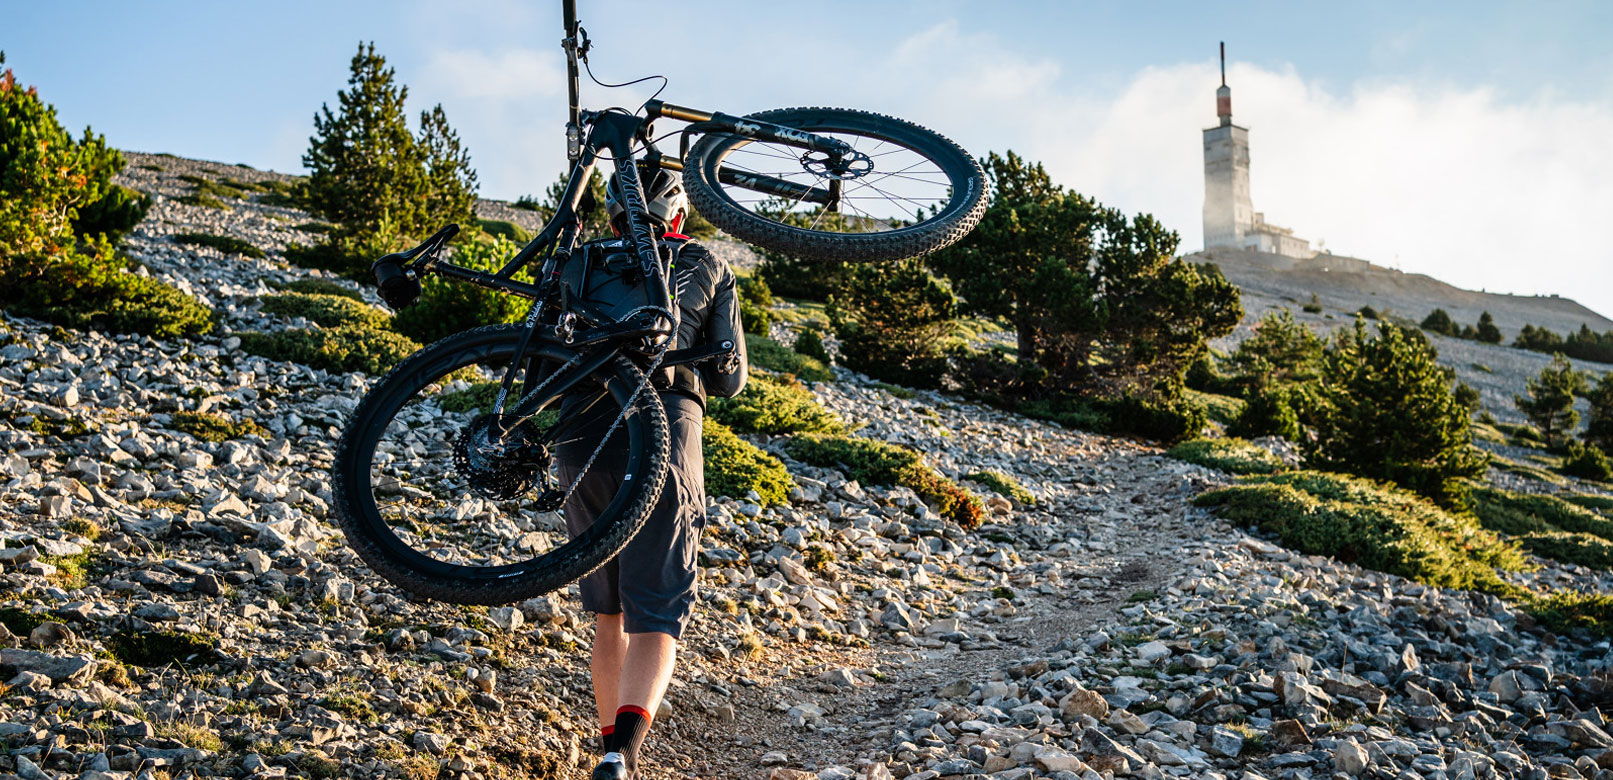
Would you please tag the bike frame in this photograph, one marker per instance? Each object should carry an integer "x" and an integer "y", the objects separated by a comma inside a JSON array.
[{"x": 590, "y": 135}]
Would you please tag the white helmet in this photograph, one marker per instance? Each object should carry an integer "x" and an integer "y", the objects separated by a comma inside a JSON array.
[{"x": 664, "y": 198}]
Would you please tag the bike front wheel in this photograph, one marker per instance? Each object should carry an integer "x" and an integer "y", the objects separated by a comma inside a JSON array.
[
  {"x": 450, "y": 502},
  {"x": 902, "y": 191}
]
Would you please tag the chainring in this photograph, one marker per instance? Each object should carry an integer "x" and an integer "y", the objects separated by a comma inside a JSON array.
[{"x": 500, "y": 462}]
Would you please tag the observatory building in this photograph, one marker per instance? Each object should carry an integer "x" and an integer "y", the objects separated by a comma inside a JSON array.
[{"x": 1230, "y": 219}]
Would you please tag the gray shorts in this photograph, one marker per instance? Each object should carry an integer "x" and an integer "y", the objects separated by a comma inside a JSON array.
[{"x": 652, "y": 583}]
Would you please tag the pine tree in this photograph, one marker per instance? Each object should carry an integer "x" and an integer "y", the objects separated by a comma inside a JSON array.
[
  {"x": 1383, "y": 408},
  {"x": 450, "y": 181},
  {"x": 365, "y": 170},
  {"x": 1439, "y": 321},
  {"x": 1280, "y": 350},
  {"x": 1098, "y": 302},
  {"x": 1487, "y": 331},
  {"x": 1599, "y": 424},
  {"x": 1550, "y": 404}
]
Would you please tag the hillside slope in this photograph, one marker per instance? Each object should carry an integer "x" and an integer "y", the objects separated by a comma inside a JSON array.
[
  {"x": 184, "y": 607},
  {"x": 1271, "y": 280}
]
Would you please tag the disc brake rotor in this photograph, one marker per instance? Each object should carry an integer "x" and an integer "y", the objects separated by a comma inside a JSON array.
[
  {"x": 498, "y": 461},
  {"x": 847, "y": 166}
]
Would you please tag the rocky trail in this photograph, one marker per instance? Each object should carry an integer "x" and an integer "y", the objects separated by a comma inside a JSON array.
[{"x": 181, "y": 606}]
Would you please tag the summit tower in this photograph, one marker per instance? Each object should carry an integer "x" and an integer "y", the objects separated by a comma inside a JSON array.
[{"x": 1230, "y": 218}]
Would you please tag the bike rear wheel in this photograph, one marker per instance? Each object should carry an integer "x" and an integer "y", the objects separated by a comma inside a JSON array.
[
  {"x": 449, "y": 503},
  {"x": 904, "y": 192}
]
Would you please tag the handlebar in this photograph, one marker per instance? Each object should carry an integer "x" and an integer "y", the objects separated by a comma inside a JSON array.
[{"x": 399, "y": 284}]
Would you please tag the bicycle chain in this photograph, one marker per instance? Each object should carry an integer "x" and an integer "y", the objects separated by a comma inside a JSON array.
[{"x": 616, "y": 423}]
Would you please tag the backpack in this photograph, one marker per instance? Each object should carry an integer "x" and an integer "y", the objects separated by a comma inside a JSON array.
[{"x": 604, "y": 282}]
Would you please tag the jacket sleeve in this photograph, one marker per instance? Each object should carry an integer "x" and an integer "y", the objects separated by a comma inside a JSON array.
[{"x": 723, "y": 324}]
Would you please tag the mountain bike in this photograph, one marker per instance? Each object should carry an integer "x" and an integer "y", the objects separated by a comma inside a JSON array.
[{"x": 447, "y": 480}]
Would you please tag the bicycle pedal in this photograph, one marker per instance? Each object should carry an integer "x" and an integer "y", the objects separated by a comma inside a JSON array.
[{"x": 550, "y": 501}]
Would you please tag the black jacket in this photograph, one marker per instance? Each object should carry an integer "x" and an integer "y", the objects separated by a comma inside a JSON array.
[{"x": 706, "y": 293}]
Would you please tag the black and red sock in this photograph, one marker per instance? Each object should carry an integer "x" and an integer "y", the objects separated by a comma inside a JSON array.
[
  {"x": 632, "y": 724},
  {"x": 607, "y": 738}
]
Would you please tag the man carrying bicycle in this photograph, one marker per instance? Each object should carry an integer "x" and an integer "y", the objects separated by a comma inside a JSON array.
[{"x": 643, "y": 598}]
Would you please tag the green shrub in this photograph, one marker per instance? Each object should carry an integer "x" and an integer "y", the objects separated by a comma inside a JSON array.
[
  {"x": 1163, "y": 420},
  {"x": 213, "y": 427},
  {"x": 735, "y": 467},
  {"x": 810, "y": 343},
  {"x": 1587, "y": 462},
  {"x": 1582, "y": 549},
  {"x": 1518, "y": 514},
  {"x": 1439, "y": 321},
  {"x": 1313, "y": 306},
  {"x": 1570, "y": 611},
  {"x": 322, "y": 287},
  {"x": 773, "y": 407},
  {"x": 45, "y": 176},
  {"x": 204, "y": 201},
  {"x": 1223, "y": 409},
  {"x": 1367, "y": 312},
  {"x": 329, "y": 311},
  {"x": 764, "y": 352},
  {"x": 160, "y": 648},
  {"x": 341, "y": 349},
  {"x": 242, "y": 187},
  {"x": 317, "y": 228},
  {"x": 904, "y": 393},
  {"x": 1372, "y": 525},
  {"x": 1383, "y": 409},
  {"x": 350, "y": 261},
  {"x": 505, "y": 229},
  {"x": 116, "y": 213},
  {"x": 893, "y": 321},
  {"x": 1269, "y": 411},
  {"x": 448, "y": 306},
  {"x": 480, "y": 395},
  {"x": 1235, "y": 456},
  {"x": 755, "y": 305},
  {"x": 91, "y": 287},
  {"x": 225, "y": 244},
  {"x": 276, "y": 185},
  {"x": 877, "y": 463},
  {"x": 1003, "y": 485},
  {"x": 20, "y": 621},
  {"x": 1521, "y": 434},
  {"x": 1602, "y": 504},
  {"x": 205, "y": 186}
]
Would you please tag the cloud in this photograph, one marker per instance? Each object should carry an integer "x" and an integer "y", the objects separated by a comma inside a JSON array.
[
  {"x": 1456, "y": 182},
  {"x": 504, "y": 105},
  {"x": 513, "y": 74}
]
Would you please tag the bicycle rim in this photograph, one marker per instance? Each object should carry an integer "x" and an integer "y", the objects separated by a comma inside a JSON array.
[{"x": 441, "y": 514}]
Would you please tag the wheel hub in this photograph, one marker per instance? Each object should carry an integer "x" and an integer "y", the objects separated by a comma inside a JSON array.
[
  {"x": 844, "y": 166},
  {"x": 499, "y": 458}
]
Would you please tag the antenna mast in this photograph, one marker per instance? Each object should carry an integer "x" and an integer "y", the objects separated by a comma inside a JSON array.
[{"x": 1223, "y": 63}]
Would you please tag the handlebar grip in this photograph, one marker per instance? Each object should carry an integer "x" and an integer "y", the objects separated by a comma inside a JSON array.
[{"x": 397, "y": 287}]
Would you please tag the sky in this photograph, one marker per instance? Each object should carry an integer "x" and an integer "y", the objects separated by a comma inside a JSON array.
[{"x": 1470, "y": 141}]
